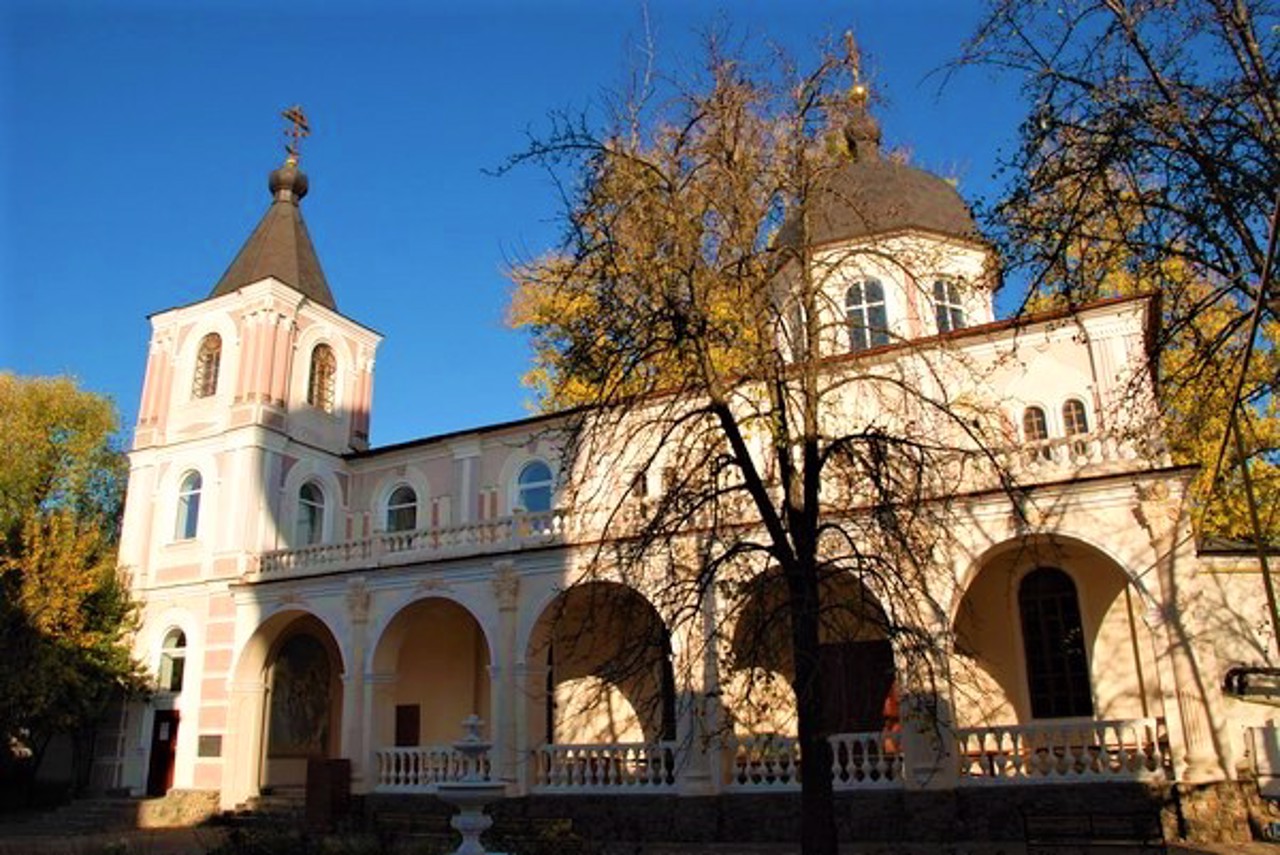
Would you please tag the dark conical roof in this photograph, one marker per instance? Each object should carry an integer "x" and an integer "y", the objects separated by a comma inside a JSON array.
[
  {"x": 279, "y": 246},
  {"x": 871, "y": 195}
]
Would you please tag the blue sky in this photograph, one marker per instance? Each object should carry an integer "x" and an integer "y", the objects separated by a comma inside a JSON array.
[{"x": 135, "y": 140}]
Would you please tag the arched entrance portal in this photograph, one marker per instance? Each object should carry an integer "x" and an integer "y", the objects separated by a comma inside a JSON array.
[
  {"x": 609, "y": 678},
  {"x": 1052, "y": 629},
  {"x": 303, "y": 701},
  {"x": 854, "y": 654},
  {"x": 431, "y": 670}
]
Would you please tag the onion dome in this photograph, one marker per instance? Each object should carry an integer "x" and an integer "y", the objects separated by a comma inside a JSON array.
[
  {"x": 871, "y": 196},
  {"x": 280, "y": 246}
]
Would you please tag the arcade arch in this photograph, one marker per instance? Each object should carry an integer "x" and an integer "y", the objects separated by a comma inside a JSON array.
[
  {"x": 295, "y": 665},
  {"x": 1008, "y": 630},
  {"x": 431, "y": 671},
  {"x": 854, "y": 651},
  {"x": 608, "y": 670}
]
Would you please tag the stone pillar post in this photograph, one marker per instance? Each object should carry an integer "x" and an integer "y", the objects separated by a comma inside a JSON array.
[
  {"x": 354, "y": 746},
  {"x": 529, "y": 680},
  {"x": 242, "y": 757},
  {"x": 379, "y": 721},
  {"x": 695, "y": 661},
  {"x": 928, "y": 741},
  {"x": 502, "y": 713},
  {"x": 1194, "y": 696}
]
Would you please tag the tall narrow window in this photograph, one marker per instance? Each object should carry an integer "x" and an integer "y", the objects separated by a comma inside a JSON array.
[
  {"x": 402, "y": 509},
  {"x": 947, "y": 306},
  {"x": 323, "y": 378},
  {"x": 310, "y": 514},
  {"x": 534, "y": 487},
  {"x": 205, "y": 382},
  {"x": 1035, "y": 430},
  {"x": 189, "y": 506},
  {"x": 866, "y": 315},
  {"x": 1053, "y": 640},
  {"x": 173, "y": 660}
]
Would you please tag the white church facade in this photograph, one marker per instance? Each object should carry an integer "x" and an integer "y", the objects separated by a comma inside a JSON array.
[{"x": 307, "y": 596}]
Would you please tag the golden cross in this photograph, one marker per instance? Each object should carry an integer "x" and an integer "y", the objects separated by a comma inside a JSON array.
[{"x": 298, "y": 129}]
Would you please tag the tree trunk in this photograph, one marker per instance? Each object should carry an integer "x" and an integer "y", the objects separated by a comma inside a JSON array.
[{"x": 817, "y": 813}]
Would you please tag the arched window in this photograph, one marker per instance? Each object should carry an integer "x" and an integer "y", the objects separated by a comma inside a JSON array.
[
  {"x": 1035, "y": 431},
  {"x": 402, "y": 509},
  {"x": 322, "y": 380},
  {"x": 310, "y": 514},
  {"x": 947, "y": 306},
  {"x": 173, "y": 660},
  {"x": 188, "y": 506},
  {"x": 1074, "y": 420},
  {"x": 866, "y": 316},
  {"x": 1075, "y": 424},
  {"x": 534, "y": 487},
  {"x": 204, "y": 384},
  {"x": 1053, "y": 640}
]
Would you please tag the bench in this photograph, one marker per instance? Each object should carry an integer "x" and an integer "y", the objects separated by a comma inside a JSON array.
[{"x": 1082, "y": 832}]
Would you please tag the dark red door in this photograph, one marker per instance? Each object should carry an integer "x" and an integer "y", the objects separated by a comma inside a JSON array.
[{"x": 164, "y": 743}]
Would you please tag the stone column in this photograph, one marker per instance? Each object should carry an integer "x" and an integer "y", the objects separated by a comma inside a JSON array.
[
  {"x": 506, "y": 592},
  {"x": 354, "y": 746},
  {"x": 1193, "y": 697}
]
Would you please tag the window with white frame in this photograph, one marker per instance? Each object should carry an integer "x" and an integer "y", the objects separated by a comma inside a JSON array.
[
  {"x": 310, "y": 527},
  {"x": 533, "y": 487},
  {"x": 173, "y": 660},
  {"x": 402, "y": 509},
  {"x": 188, "y": 520},
  {"x": 204, "y": 383},
  {"x": 323, "y": 378},
  {"x": 947, "y": 306},
  {"x": 866, "y": 315}
]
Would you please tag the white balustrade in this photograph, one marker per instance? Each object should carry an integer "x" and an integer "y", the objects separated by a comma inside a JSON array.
[
  {"x": 1133, "y": 749},
  {"x": 772, "y": 762},
  {"x": 418, "y": 769},
  {"x": 605, "y": 768},
  {"x": 1073, "y": 452},
  {"x": 518, "y": 531},
  {"x": 764, "y": 762},
  {"x": 861, "y": 760}
]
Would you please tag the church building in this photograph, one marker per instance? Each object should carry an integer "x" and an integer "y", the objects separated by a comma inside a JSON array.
[{"x": 307, "y": 596}]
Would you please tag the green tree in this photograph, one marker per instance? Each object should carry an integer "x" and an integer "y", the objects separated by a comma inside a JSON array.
[
  {"x": 691, "y": 318},
  {"x": 65, "y": 612},
  {"x": 1150, "y": 161}
]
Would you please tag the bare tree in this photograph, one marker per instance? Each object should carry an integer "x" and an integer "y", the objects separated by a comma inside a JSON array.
[
  {"x": 768, "y": 491},
  {"x": 1150, "y": 161}
]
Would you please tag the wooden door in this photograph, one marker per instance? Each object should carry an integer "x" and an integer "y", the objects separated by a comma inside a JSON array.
[{"x": 164, "y": 744}]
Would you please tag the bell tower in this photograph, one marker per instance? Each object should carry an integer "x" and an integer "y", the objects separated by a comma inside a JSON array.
[{"x": 262, "y": 376}]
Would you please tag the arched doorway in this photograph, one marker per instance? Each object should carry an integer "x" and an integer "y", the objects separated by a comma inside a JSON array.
[
  {"x": 303, "y": 705},
  {"x": 608, "y": 672},
  {"x": 854, "y": 654}
]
